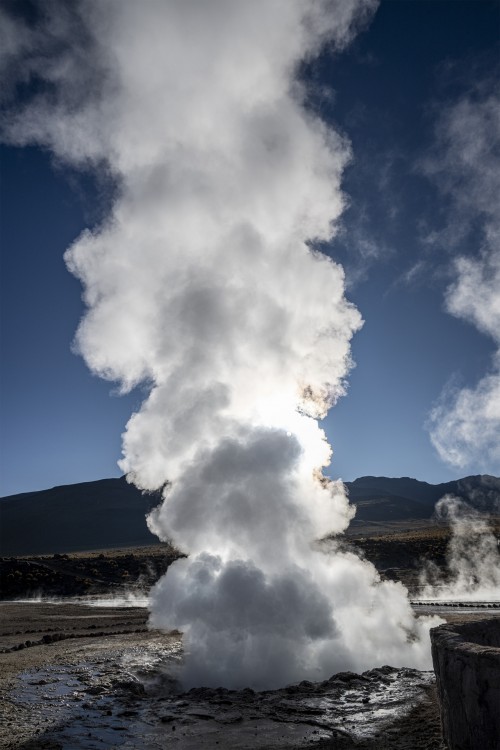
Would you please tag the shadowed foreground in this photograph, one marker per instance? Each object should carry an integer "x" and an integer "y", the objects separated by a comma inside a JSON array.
[{"x": 93, "y": 677}]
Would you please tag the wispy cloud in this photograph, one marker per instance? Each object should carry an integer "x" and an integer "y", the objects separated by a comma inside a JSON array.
[{"x": 465, "y": 164}]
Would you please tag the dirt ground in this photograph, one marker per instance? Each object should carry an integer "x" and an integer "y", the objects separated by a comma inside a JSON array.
[
  {"x": 78, "y": 676},
  {"x": 95, "y": 677},
  {"x": 84, "y": 573},
  {"x": 398, "y": 550}
]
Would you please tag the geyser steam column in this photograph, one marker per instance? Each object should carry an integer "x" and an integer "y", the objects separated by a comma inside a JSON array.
[{"x": 202, "y": 283}]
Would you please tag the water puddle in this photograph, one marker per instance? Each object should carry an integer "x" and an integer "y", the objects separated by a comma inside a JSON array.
[{"x": 131, "y": 698}]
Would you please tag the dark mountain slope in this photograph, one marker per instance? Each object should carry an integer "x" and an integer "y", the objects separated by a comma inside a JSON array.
[
  {"x": 111, "y": 513},
  {"x": 92, "y": 515},
  {"x": 384, "y": 499}
]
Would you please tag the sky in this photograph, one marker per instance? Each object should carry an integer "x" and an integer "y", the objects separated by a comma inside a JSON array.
[{"x": 413, "y": 97}]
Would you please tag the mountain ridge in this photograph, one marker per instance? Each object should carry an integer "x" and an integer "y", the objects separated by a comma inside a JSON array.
[{"x": 111, "y": 513}]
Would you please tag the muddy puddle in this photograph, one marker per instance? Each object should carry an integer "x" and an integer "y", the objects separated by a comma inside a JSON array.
[
  {"x": 96, "y": 677},
  {"x": 131, "y": 698}
]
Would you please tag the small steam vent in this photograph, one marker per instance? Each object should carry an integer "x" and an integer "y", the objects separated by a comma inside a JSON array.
[{"x": 466, "y": 660}]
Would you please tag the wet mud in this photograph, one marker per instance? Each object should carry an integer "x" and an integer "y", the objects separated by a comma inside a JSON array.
[{"x": 101, "y": 679}]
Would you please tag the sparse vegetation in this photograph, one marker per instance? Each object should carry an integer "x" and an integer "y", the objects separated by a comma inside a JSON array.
[{"x": 83, "y": 574}]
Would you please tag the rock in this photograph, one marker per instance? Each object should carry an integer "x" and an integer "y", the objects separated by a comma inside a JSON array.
[
  {"x": 344, "y": 677},
  {"x": 95, "y": 690},
  {"x": 167, "y": 718},
  {"x": 467, "y": 665},
  {"x": 130, "y": 686}
]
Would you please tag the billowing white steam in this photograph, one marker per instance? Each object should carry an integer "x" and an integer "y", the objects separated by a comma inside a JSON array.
[
  {"x": 472, "y": 571},
  {"x": 465, "y": 423},
  {"x": 202, "y": 285}
]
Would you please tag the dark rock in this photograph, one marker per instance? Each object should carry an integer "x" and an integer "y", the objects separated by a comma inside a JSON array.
[
  {"x": 167, "y": 718},
  {"x": 467, "y": 664},
  {"x": 95, "y": 690},
  {"x": 130, "y": 686}
]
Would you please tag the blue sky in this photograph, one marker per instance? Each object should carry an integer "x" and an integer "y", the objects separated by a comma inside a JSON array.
[{"x": 388, "y": 93}]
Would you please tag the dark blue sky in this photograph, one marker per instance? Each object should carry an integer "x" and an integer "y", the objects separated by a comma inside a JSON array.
[
  {"x": 413, "y": 60},
  {"x": 61, "y": 425}
]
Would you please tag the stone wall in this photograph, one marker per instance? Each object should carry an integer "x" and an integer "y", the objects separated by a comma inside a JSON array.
[{"x": 466, "y": 660}]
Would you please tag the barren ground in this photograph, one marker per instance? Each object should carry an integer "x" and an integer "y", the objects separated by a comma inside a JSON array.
[
  {"x": 111, "y": 683},
  {"x": 79, "y": 676}
]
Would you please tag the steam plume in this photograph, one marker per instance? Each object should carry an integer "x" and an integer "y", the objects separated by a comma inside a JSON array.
[
  {"x": 203, "y": 285},
  {"x": 465, "y": 423},
  {"x": 473, "y": 561}
]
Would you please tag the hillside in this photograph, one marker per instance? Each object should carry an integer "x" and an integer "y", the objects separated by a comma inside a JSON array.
[
  {"x": 386, "y": 499},
  {"x": 108, "y": 513},
  {"x": 111, "y": 513}
]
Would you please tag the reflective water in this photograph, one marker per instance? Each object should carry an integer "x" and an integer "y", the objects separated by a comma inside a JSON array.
[{"x": 130, "y": 697}]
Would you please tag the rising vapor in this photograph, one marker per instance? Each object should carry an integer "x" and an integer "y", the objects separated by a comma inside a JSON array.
[
  {"x": 203, "y": 285},
  {"x": 472, "y": 571}
]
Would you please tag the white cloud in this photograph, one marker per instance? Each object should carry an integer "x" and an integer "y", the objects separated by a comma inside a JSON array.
[
  {"x": 465, "y": 158},
  {"x": 475, "y": 294},
  {"x": 465, "y": 424}
]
